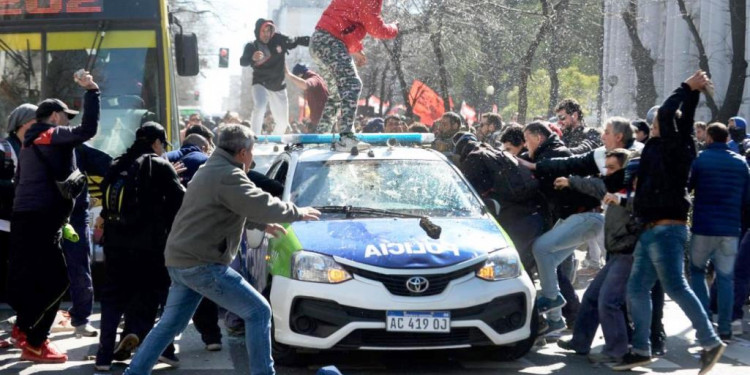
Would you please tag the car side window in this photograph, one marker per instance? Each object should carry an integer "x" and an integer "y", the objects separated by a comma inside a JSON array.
[{"x": 281, "y": 172}]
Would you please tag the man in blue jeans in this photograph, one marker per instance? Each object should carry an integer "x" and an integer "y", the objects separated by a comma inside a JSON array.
[
  {"x": 717, "y": 220},
  {"x": 662, "y": 204},
  {"x": 220, "y": 202}
]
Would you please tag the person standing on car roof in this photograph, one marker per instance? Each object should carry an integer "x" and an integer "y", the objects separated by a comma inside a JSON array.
[
  {"x": 336, "y": 47},
  {"x": 38, "y": 276},
  {"x": 220, "y": 203},
  {"x": 267, "y": 56},
  {"x": 142, "y": 194}
]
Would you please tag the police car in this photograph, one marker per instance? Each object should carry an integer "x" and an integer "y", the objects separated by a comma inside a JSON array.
[{"x": 404, "y": 257}]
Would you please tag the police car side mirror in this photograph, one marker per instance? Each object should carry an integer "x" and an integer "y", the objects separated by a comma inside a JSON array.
[{"x": 254, "y": 238}]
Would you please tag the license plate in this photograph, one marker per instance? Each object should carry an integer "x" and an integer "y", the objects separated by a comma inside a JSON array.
[{"x": 418, "y": 321}]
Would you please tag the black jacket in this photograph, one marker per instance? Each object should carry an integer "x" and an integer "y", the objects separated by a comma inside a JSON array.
[
  {"x": 159, "y": 196},
  {"x": 565, "y": 202},
  {"x": 580, "y": 165},
  {"x": 661, "y": 191},
  {"x": 480, "y": 176},
  {"x": 269, "y": 71}
]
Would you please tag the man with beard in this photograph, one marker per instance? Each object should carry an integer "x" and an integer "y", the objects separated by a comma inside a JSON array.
[{"x": 578, "y": 137}]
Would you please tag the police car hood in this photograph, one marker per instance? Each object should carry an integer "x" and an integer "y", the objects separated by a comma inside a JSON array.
[{"x": 400, "y": 243}]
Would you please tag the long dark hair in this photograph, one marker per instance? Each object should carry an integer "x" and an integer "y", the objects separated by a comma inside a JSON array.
[{"x": 140, "y": 147}]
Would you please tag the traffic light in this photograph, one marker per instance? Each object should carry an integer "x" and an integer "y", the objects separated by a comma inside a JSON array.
[
  {"x": 197, "y": 95},
  {"x": 223, "y": 57}
]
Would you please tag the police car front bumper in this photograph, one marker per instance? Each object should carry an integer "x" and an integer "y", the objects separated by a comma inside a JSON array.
[{"x": 352, "y": 314}]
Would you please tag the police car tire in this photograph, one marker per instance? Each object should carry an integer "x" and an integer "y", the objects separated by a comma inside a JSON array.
[{"x": 519, "y": 349}]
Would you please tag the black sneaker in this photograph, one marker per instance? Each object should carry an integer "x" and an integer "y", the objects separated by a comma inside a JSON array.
[
  {"x": 125, "y": 347},
  {"x": 631, "y": 361},
  {"x": 567, "y": 345},
  {"x": 726, "y": 337},
  {"x": 658, "y": 346},
  {"x": 710, "y": 357},
  {"x": 170, "y": 359}
]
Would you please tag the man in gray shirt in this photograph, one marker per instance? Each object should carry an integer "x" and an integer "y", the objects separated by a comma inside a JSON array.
[{"x": 219, "y": 204}]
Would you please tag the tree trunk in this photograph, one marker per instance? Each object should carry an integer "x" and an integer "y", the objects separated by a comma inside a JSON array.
[
  {"x": 733, "y": 97},
  {"x": 551, "y": 16},
  {"x": 600, "y": 55},
  {"x": 645, "y": 90},
  {"x": 554, "y": 84},
  {"x": 395, "y": 55},
  {"x": 436, "y": 39},
  {"x": 702, "y": 57},
  {"x": 382, "y": 87}
]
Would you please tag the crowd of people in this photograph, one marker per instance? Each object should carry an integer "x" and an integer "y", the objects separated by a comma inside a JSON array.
[{"x": 624, "y": 192}]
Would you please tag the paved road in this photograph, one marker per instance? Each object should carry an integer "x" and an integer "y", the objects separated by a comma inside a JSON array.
[{"x": 681, "y": 358}]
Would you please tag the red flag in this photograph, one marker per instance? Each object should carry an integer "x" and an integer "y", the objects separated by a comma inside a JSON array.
[{"x": 425, "y": 103}]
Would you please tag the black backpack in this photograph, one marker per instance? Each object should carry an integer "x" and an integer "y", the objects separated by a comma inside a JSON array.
[
  {"x": 123, "y": 198},
  {"x": 511, "y": 181}
]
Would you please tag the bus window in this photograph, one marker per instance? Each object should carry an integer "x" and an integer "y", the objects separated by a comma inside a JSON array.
[
  {"x": 20, "y": 71},
  {"x": 126, "y": 69}
]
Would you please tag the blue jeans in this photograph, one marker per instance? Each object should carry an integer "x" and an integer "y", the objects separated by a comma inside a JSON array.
[
  {"x": 602, "y": 304},
  {"x": 722, "y": 251},
  {"x": 78, "y": 261},
  {"x": 553, "y": 247},
  {"x": 659, "y": 256},
  {"x": 228, "y": 289}
]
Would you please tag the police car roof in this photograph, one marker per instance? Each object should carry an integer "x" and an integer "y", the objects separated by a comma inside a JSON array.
[{"x": 374, "y": 153}]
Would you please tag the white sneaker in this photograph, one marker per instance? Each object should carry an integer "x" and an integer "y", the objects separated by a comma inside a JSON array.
[
  {"x": 86, "y": 330},
  {"x": 62, "y": 323},
  {"x": 737, "y": 327},
  {"x": 348, "y": 141}
]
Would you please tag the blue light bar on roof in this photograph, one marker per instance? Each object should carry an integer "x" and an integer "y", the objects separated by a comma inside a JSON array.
[{"x": 372, "y": 138}]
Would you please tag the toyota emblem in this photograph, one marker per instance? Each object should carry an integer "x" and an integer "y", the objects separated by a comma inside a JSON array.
[{"x": 417, "y": 284}]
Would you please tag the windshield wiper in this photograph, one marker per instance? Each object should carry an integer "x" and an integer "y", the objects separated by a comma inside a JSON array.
[
  {"x": 96, "y": 45},
  {"x": 433, "y": 230}
]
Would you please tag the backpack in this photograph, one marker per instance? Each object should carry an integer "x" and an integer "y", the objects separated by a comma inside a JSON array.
[
  {"x": 124, "y": 196},
  {"x": 511, "y": 181}
]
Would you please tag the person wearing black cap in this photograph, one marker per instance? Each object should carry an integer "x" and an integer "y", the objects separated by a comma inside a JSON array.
[
  {"x": 316, "y": 95},
  {"x": 38, "y": 276},
  {"x": 142, "y": 194}
]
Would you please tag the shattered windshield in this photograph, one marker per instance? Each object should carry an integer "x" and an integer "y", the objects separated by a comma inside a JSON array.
[{"x": 420, "y": 187}]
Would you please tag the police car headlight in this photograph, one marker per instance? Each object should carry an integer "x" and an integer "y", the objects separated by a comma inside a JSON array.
[
  {"x": 500, "y": 265},
  {"x": 308, "y": 266}
]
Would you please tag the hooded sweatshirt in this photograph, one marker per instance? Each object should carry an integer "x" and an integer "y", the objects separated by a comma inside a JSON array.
[
  {"x": 351, "y": 20},
  {"x": 269, "y": 71}
]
